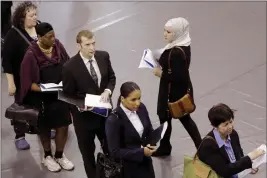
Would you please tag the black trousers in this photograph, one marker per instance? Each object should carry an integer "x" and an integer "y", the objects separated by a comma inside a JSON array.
[
  {"x": 18, "y": 126},
  {"x": 18, "y": 129},
  {"x": 86, "y": 135},
  {"x": 189, "y": 125}
]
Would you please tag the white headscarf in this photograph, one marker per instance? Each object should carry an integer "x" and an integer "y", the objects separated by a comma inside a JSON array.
[{"x": 180, "y": 28}]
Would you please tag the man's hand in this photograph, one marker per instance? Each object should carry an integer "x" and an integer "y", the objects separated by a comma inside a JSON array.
[
  {"x": 105, "y": 96},
  {"x": 157, "y": 72}
]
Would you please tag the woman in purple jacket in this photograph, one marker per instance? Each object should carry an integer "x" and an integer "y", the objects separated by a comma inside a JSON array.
[{"x": 43, "y": 63}]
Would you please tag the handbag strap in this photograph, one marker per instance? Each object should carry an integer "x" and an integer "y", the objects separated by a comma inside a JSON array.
[
  {"x": 205, "y": 138},
  {"x": 22, "y": 35},
  {"x": 170, "y": 70},
  {"x": 114, "y": 112}
]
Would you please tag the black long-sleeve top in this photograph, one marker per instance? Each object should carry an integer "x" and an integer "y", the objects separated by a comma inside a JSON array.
[
  {"x": 179, "y": 78},
  {"x": 14, "y": 50}
]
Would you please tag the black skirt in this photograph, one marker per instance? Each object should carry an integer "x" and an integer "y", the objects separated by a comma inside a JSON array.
[{"x": 53, "y": 113}]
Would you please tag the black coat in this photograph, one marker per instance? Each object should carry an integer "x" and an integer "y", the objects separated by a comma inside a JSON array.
[
  {"x": 217, "y": 158},
  {"x": 77, "y": 82},
  {"x": 125, "y": 143},
  {"x": 179, "y": 78}
]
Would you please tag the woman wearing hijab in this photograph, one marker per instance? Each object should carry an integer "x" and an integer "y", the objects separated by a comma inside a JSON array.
[
  {"x": 43, "y": 63},
  {"x": 176, "y": 33}
]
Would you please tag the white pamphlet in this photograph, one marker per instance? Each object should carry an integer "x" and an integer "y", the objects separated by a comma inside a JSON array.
[
  {"x": 256, "y": 163},
  {"x": 51, "y": 89},
  {"x": 94, "y": 101},
  {"x": 148, "y": 60},
  {"x": 51, "y": 85},
  {"x": 165, "y": 125}
]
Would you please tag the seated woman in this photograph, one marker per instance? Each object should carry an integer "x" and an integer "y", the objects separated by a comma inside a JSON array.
[
  {"x": 126, "y": 130},
  {"x": 224, "y": 153},
  {"x": 43, "y": 63}
]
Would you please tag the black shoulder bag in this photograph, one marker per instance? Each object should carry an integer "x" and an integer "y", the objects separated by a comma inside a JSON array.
[{"x": 107, "y": 166}]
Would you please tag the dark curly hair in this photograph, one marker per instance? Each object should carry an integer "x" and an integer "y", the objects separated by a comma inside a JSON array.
[{"x": 20, "y": 13}]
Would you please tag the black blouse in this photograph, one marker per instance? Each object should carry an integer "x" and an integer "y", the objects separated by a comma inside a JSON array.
[
  {"x": 179, "y": 78},
  {"x": 13, "y": 52}
]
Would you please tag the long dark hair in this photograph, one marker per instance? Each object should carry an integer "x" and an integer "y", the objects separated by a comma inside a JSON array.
[{"x": 126, "y": 89}]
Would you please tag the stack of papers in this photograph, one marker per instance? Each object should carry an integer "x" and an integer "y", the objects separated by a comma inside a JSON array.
[
  {"x": 94, "y": 101},
  {"x": 51, "y": 86},
  {"x": 256, "y": 163},
  {"x": 148, "y": 60}
]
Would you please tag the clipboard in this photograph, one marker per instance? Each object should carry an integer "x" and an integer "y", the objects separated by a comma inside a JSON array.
[{"x": 157, "y": 134}]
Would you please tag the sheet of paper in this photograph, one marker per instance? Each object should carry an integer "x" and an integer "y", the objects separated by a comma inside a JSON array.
[
  {"x": 51, "y": 85},
  {"x": 50, "y": 89},
  {"x": 165, "y": 125},
  {"x": 148, "y": 60},
  {"x": 256, "y": 163},
  {"x": 94, "y": 101},
  {"x": 260, "y": 160},
  {"x": 244, "y": 173}
]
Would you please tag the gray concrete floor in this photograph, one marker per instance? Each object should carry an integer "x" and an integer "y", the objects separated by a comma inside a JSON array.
[{"x": 228, "y": 65}]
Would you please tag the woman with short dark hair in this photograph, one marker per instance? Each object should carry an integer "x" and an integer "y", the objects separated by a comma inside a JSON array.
[{"x": 223, "y": 152}]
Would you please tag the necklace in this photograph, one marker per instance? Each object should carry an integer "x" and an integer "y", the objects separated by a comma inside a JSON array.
[{"x": 47, "y": 51}]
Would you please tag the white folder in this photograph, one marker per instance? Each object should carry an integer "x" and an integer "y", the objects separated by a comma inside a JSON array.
[
  {"x": 148, "y": 60},
  {"x": 94, "y": 101}
]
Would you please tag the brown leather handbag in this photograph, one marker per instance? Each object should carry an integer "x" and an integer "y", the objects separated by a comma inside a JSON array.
[{"x": 184, "y": 105}]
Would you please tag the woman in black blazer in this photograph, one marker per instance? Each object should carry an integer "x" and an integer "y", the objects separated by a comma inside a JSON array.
[
  {"x": 127, "y": 129},
  {"x": 223, "y": 153},
  {"x": 176, "y": 33}
]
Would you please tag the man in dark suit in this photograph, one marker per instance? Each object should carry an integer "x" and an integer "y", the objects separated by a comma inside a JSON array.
[{"x": 88, "y": 72}]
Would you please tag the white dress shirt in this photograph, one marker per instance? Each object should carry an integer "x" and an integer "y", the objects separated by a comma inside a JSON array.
[
  {"x": 134, "y": 119},
  {"x": 95, "y": 65}
]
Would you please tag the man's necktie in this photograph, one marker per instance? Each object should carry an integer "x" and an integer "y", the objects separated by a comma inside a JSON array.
[{"x": 93, "y": 73}]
